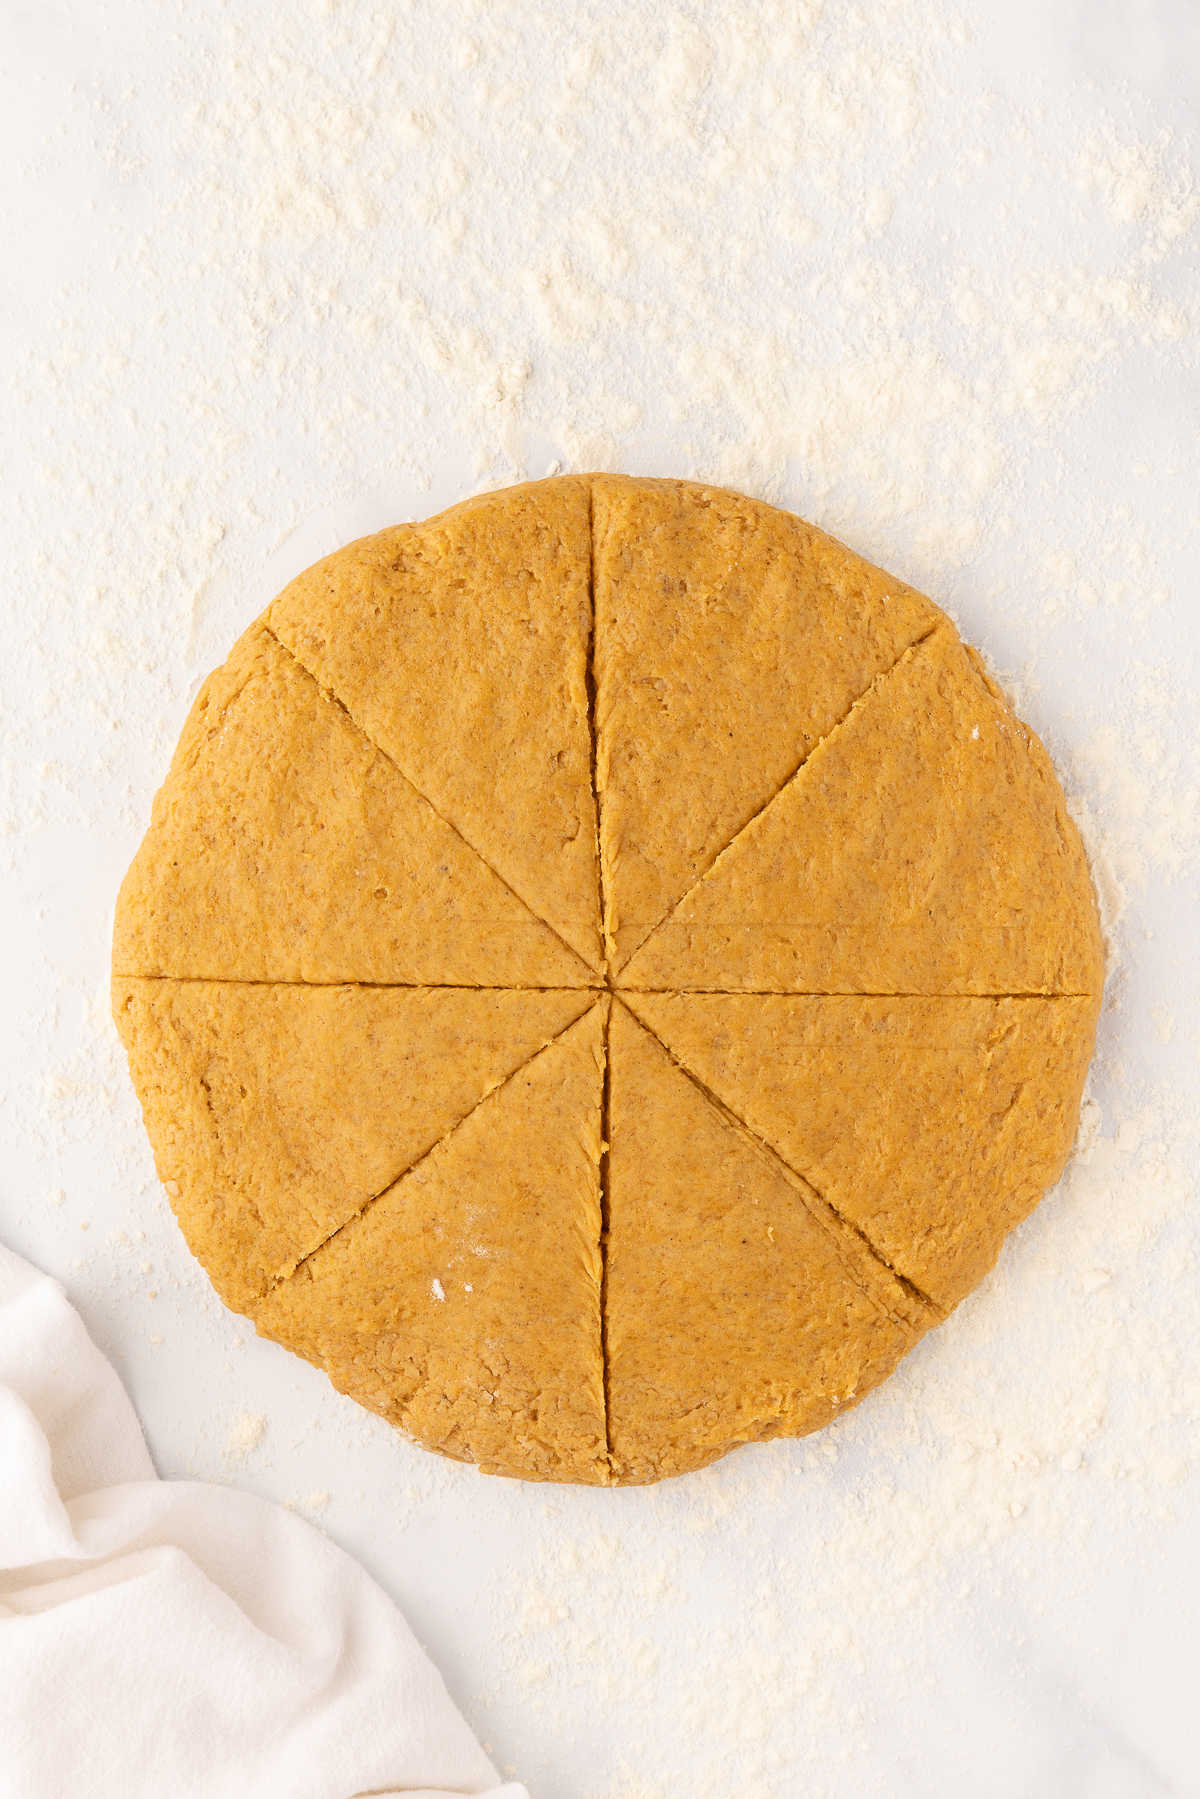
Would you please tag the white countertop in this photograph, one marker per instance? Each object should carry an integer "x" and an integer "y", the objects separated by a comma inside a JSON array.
[{"x": 278, "y": 274}]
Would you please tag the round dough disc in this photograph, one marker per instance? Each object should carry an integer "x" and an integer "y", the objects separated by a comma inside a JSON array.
[{"x": 605, "y": 972}]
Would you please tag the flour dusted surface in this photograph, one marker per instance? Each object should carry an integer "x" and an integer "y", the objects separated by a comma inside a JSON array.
[{"x": 924, "y": 273}]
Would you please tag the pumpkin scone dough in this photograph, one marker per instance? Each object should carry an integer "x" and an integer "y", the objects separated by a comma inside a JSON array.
[
  {"x": 730, "y": 638},
  {"x": 285, "y": 846},
  {"x": 783, "y": 1320},
  {"x": 278, "y": 1112},
  {"x": 464, "y": 1304},
  {"x": 461, "y": 648},
  {"x": 606, "y": 970},
  {"x": 857, "y": 1092},
  {"x": 924, "y": 847}
]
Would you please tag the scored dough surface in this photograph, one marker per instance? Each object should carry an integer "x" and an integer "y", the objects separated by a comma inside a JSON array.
[
  {"x": 279, "y": 1111},
  {"x": 605, "y": 972},
  {"x": 285, "y": 846}
]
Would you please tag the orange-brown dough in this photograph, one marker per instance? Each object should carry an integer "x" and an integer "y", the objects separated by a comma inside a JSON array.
[
  {"x": 464, "y": 1304},
  {"x": 605, "y": 972}
]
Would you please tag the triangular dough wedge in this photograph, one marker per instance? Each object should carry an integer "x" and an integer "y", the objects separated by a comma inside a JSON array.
[
  {"x": 729, "y": 638},
  {"x": 931, "y": 1125},
  {"x": 924, "y": 847},
  {"x": 284, "y": 846},
  {"x": 733, "y": 1312},
  {"x": 277, "y": 1112},
  {"x": 464, "y": 1304},
  {"x": 461, "y": 647}
]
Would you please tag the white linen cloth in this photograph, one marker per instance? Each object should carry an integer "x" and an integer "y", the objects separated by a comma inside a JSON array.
[{"x": 181, "y": 1640}]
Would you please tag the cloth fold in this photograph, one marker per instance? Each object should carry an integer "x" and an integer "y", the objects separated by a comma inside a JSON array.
[{"x": 172, "y": 1637}]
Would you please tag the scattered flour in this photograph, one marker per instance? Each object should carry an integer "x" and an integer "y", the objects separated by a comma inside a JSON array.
[
  {"x": 245, "y": 1436},
  {"x": 290, "y": 272}
]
